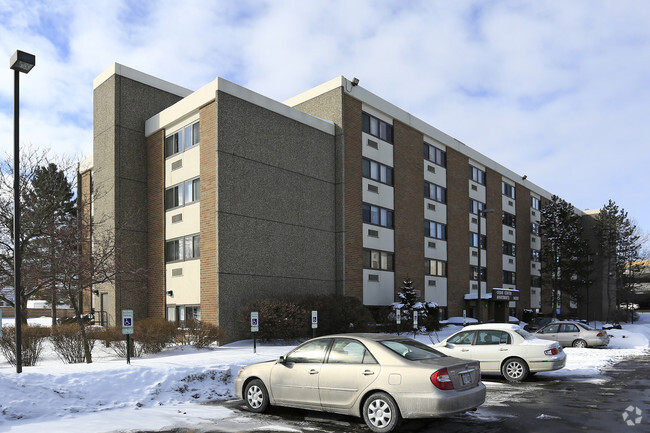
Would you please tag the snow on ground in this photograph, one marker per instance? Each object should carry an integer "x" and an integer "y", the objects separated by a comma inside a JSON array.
[{"x": 165, "y": 390}]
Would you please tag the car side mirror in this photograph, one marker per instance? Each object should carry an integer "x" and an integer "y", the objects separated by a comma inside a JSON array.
[{"x": 281, "y": 360}]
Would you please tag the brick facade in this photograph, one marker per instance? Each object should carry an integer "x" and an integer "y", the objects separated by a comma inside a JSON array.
[
  {"x": 156, "y": 224},
  {"x": 523, "y": 247},
  {"x": 457, "y": 231}
]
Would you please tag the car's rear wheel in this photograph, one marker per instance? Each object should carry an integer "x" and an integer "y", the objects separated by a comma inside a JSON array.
[
  {"x": 380, "y": 412},
  {"x": 256, "y": 396},
  {"x": 580, "y": 343},
  {"x": 515, "y": 370}
]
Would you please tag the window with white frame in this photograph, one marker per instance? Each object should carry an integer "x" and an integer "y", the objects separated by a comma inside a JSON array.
[
  {"x": 477, "y": 175},
  {"x": 435, "y": 230},
  {"x": 508, "y": 190},
  {"x": 435, "y": 192},
  {"x": 435, "y": 155}
]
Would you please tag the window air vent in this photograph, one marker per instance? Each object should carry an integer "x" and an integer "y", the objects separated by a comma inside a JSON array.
[
  {"x": 474, "y": 286},
  {"x": 511, "y": 261},
  {"x": 474, "y": 253},
  {"x": 534, "y": 214},
  {"x": 534, "y": 266},
  {"x": 177, "y": 218},
  {"x": 373, "y": 233},
  {"x": 532, "y": 240},
  {"x": 432, "y": 244},
  {"x": 373, "y": 144},
  {"x": 533, "y": 291},
  {"x": 474, "y": 187},
  {"x": 431, "y": 206},
  {"x": 510, "y": 232},
  {"x": 474, "y": 220},
  {"x": 432, "y": 282},
  {"x": 510, "y": 203},
  {"x": 373, "y": 277},
  {"x": 177, "y": 164},
  {"x": 177, "y": 272},
  {"x": 373, "y": 188},
  {"x": 431, "y": 168}
]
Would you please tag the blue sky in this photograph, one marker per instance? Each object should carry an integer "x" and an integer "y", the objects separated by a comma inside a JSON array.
[{"x": 556, "y": 90}]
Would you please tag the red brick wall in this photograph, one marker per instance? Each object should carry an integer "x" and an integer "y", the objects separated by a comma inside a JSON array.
[
  {"x": 457, "y": 231},
  {"x": 494, "y": 230},
  {"x": 85, "y": 206},
  {"x": 409, "y": 206},
  {"x": 209, "y": 259},
  {"x": 523, "y": 247},
  {"x": 353, "y": 199},
  {"x": 156, "y": 224}
]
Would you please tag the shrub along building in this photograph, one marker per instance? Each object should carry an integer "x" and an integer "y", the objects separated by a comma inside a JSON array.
[{"x": 231, "y": 196}]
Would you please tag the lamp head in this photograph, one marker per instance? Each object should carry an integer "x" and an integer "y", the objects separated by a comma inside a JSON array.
[{"x": 22, "y": 61}]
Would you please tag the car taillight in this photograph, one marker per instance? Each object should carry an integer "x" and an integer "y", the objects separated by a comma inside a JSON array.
[
  {"x": 551, "y": 352},
  {"x": 600, "y": 334},
  {"x": 441, "y": 379}
]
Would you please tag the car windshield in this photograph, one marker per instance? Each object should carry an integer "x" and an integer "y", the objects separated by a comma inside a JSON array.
[
  {"x": 527, "y": 335},
  {"x": 585, "y": 326},
  {"x": 412, "y": 350}
]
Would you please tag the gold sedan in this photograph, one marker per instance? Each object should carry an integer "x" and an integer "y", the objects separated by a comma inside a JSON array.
[{"x": 382, "y": 378}]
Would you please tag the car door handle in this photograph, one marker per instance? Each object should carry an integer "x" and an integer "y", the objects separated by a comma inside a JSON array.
[
  {"x": 312, "y": 371},
  {"x": 503, "y": 349},
  {"x": 464, "y": 350},
  {"x": 368, "y": 373}
]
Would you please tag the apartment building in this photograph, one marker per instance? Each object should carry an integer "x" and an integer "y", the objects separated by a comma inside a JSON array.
[{"x": 226, "y": 196}]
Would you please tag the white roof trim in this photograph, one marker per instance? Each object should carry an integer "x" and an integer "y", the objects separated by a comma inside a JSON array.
[
  {"x": 207, "y": 94},
  {"x": 141, "y": 77}
]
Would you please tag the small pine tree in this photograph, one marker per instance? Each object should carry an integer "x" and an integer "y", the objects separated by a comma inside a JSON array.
[{"x": 408, "y": 299}]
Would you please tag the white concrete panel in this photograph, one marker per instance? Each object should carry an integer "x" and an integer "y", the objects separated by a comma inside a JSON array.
[
  {"x": 435, "y": 174},
  {"x": 508, "y": 204},
  {"x": 383, "y": 153},
  {"x": 383, "y": 197},
  {"x": 381, "y": 292},
  {"x": 473, "y": 257},
  {"x": 378, "y": 114},
  {"x": 509, "y": 263},
  {"x": 189, "y": 224},
  {"x": 535, "y": 297},
  {"x": 535, "y": 216},
  {"x": 186, "y": 287},
  {"x": 535, "y": 271},
  {"x": 477, "y": 191},
  {"x": 384, "y": 241},
  {"x": 438, "y": 213},
  {"x": 437, "y": 292},
  {"x": 190, "y": 166},
  {"x": 509, "y": 234},
  {"x": 435, "y": 249}
]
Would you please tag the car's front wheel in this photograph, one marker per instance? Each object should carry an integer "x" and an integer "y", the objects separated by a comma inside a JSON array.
[
  {"x": 380, "y": 412},
  {"x": 515, "y": 370},
  {"x": 580, "y": 343},
  {"x": 256, "y": 396}
]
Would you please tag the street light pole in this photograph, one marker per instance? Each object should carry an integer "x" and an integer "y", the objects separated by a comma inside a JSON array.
[
  {"x": 19, "y": 62},
  {"x": 481, "y": 213}
]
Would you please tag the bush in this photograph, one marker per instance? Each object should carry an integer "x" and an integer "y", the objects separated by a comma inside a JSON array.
[
  {"x": 153, "y": 335},
  {"x": 291, "y": 319},
  {"x": 68, "y": 343},
  {"x": 31, "y": 341},
  {"x": 202, "y": 334},
  {"x": 279, "y": 319}
]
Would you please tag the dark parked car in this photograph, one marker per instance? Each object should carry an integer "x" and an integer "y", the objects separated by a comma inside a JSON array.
[{"x": 538, "y": 322}]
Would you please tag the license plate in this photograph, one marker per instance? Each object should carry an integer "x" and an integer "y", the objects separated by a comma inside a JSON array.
[{"x": 466, "y": 378}]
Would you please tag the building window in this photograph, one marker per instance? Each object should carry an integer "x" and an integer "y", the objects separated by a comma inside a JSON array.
[
  {"x": 380, "y": 260},
  {"x": 475, "y": 206},
  {"x": 509, "y": 277},
  {"x": 508, "y": 219},
  {"x": 473, "y": 273},
  {"x": 377, "y": 171},
  {"x": 185, "y": 248},
  {"x": 535, "y": 255},
  {"x": 173, "y": 197},
  {"x": 183, "y": 139},
  {"x": 534, "y": 228},
  {"x": 435, "y": 155},
  {"x": 435, "y": 230},
  {"x": 473, "y": 240},
  {"x": 377, "y": 128},
  {"x": 477, "y": 175},
  {"x": 508, "y": 249},
  {"x": 435, "y": 192},
  {"x": 183, "y": 193},
  {"x": 437, "y": 268},
  {"x": 508, "y": 190},
  {"x": 192, "y": 189},
  {"x": 377, "y": 215},
  {"x": 535, "y": 281},
  {"x": 534, "y": 203}
]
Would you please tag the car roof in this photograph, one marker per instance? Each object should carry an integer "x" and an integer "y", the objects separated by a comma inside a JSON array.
[
  {"x": 500, "y": 326},
  {"x": 367, "y": 336}
]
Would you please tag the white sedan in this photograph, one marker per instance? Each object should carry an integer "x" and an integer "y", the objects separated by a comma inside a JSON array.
[{"x": 504, "y": 349}]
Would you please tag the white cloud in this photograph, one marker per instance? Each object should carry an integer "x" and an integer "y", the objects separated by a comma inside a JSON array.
[{"x": 557, "y": 91}]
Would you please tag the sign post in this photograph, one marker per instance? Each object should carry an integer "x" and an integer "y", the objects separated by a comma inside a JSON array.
[
  {"x": 314, "y": 322},
  {"x": 127, "y": 329},
  {"x": 255, "y": 327},
  {"x": 464, "y": 317},
  {"x": 398, "y": 318},
  {"x": 415, "y": 323}
]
